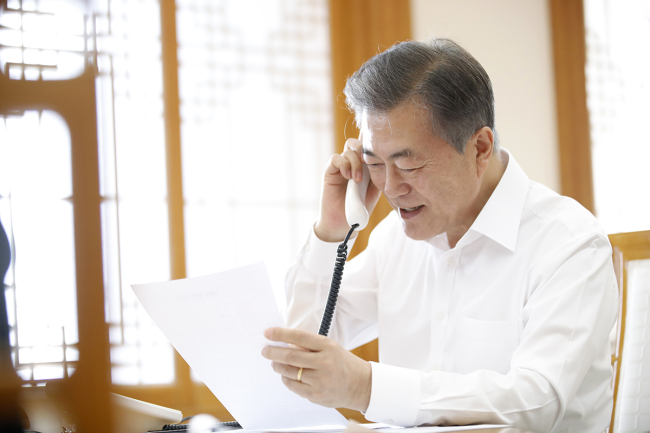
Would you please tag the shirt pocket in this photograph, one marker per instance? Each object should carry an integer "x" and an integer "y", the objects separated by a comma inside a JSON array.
[{"x": 485, "y": 344}]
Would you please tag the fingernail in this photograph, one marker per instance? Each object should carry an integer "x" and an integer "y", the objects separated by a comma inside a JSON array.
[
  {"x": 264, "y": 351},
  {"x": 267, "y": 332},
  {"x": 359, "y": 176}
]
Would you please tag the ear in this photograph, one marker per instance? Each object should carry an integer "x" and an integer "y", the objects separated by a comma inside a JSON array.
[{"x": 483, "y": 143}]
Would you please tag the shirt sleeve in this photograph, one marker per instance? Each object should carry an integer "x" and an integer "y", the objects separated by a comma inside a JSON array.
[
  {"x": 568, "y": 318},
  {"x": 307, "y": 287}
]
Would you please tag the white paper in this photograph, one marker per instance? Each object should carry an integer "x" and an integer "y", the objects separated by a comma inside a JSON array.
[
  {"x": 369, "y": 428},
  {"x": 434, "y": 429},
  {"x": 216, "y": 323}
]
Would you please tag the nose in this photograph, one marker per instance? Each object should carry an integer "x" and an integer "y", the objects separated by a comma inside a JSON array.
[{"x": 395, "y": 185}]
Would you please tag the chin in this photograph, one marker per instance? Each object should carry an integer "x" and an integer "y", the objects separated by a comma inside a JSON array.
[{"x": 417, "y": 234}]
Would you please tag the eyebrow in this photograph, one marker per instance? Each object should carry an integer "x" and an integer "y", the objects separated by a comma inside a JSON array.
[{"x": 405, "y": 153}]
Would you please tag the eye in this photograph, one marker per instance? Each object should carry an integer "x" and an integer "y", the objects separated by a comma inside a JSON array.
[{"x": 375, "y": 165}]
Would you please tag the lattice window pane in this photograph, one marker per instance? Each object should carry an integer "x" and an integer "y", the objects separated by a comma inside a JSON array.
[
  {"x": 43, "y": 40},
  {"x": 55, "y": 40},
  {"x": 256, "y": 128},
  {"x": 36, "y": 211},
  {"x": 134, "y": 184},
  {"x": 618, "y": 97}
]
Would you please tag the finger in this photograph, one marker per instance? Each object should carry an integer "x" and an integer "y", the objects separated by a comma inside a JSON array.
[
  {"x": 290, "y": 372},
  {"x": 339, "y": 164},
  {"x": 293, "y": 346},
  {"x": 354, "y": 144},
  {"x": 296, "y": 358},
  {"x": 355, "y": 164},
  {"x": 299, "y": 337},
  {"x": 302, "y": 389}
]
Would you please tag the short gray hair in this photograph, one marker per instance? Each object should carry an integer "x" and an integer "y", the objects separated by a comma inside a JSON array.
[{"x": 439, "y": 76}]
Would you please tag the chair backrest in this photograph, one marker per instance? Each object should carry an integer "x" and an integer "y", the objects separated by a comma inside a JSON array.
[{"x": 628, "y": 248}]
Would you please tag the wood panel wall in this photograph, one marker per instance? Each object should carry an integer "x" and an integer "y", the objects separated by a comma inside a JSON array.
[
  {"x": 569, "y": 55},
  {"x": 359, "y": 29}
]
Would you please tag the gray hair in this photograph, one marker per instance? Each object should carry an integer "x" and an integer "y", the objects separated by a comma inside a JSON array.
[{"x": 439, "y": 76}]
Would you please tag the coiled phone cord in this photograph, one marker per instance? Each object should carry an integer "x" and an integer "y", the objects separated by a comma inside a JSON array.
[{"x": 341, "y": 257}]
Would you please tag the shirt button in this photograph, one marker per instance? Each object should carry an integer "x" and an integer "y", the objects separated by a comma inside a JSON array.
[
  {"x": 450, "y": 261},
  {"x": 390, "y": 421},
  {"x": 440, "y": 316}
]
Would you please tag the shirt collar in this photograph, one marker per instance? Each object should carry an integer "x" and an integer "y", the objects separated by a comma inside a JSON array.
[{"x": 500, "y": 217}]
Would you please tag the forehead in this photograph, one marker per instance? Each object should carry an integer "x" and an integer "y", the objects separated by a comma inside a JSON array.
[
  {"x": 404, "y": 131},
  {"x": 404, "y": 115}
]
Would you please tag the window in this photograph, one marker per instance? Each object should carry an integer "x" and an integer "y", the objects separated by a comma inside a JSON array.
[
  {"x": 256, "y": 127},
  {"x": 36, "y": 207},
  {"x": 618, "y": 98},
  {"x": 36, "y": 199}
]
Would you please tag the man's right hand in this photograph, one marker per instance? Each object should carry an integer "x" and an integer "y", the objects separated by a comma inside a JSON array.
[{"x": 332, "y": 225}]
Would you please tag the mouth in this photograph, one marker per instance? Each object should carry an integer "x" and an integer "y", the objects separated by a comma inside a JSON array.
[
  {"x": 410, "y": 209},
  {"x": 409, "y": 212}
]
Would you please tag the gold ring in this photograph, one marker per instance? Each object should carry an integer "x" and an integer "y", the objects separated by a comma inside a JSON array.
[{"x": 299, "y": 375}]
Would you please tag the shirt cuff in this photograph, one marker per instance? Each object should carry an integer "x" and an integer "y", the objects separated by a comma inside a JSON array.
[
  {"x": 319, "y": 256},
  {"x": 395, "y": 395}
]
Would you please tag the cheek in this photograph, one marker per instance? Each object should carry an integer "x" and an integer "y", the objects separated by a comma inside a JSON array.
[
  {"x": 442, "y": 191},
  {"x": 463, "y": 191}
]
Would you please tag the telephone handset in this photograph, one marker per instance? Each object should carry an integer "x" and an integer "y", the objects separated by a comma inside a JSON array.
[
  {"x": 357, "y": 216},
  {"x": 355, "y": 198}
]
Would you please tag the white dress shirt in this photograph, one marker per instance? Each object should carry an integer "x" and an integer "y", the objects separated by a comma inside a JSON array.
[{"x": 510, "y": 326}]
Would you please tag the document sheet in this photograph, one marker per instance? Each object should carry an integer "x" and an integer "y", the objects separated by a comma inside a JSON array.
[
  {"x": 216, "y": 322},
  {"x": 353, "y": 427}
]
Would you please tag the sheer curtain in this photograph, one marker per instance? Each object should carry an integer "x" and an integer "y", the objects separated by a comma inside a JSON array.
[
  {"x": 618, "y": 98},
  {"x": 256, "y": 125}
]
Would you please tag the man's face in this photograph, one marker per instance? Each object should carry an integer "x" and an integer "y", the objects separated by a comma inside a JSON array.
[{"x": 432, "y": 187}]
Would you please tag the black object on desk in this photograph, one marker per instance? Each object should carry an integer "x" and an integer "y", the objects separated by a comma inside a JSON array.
[{"x": 179, "y": 428}]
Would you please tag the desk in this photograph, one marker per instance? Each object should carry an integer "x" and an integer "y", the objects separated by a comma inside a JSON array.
[
  {"x": 359, "y": 428},
  {"x": 489, "y": 430},
  {"x": 498, "y": 430}
]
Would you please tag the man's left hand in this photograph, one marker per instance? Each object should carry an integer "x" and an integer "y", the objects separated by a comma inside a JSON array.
[{"x": 331, "y": 375}]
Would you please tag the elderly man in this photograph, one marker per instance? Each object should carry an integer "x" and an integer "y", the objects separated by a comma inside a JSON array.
[{"x": 491, "y": 295}]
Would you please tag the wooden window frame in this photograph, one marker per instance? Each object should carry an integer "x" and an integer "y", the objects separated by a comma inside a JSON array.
[{"x": 574, "y": 138}]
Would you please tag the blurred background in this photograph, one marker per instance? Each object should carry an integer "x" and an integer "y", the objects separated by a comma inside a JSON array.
[{"x": 148, "y": 140}]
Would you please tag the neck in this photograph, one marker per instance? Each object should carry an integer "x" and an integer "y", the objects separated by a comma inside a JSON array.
[{"x": 489, "y": 182}]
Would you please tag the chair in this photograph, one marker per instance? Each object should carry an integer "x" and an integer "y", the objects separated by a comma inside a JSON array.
[{"x": 631, "y": 363}]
